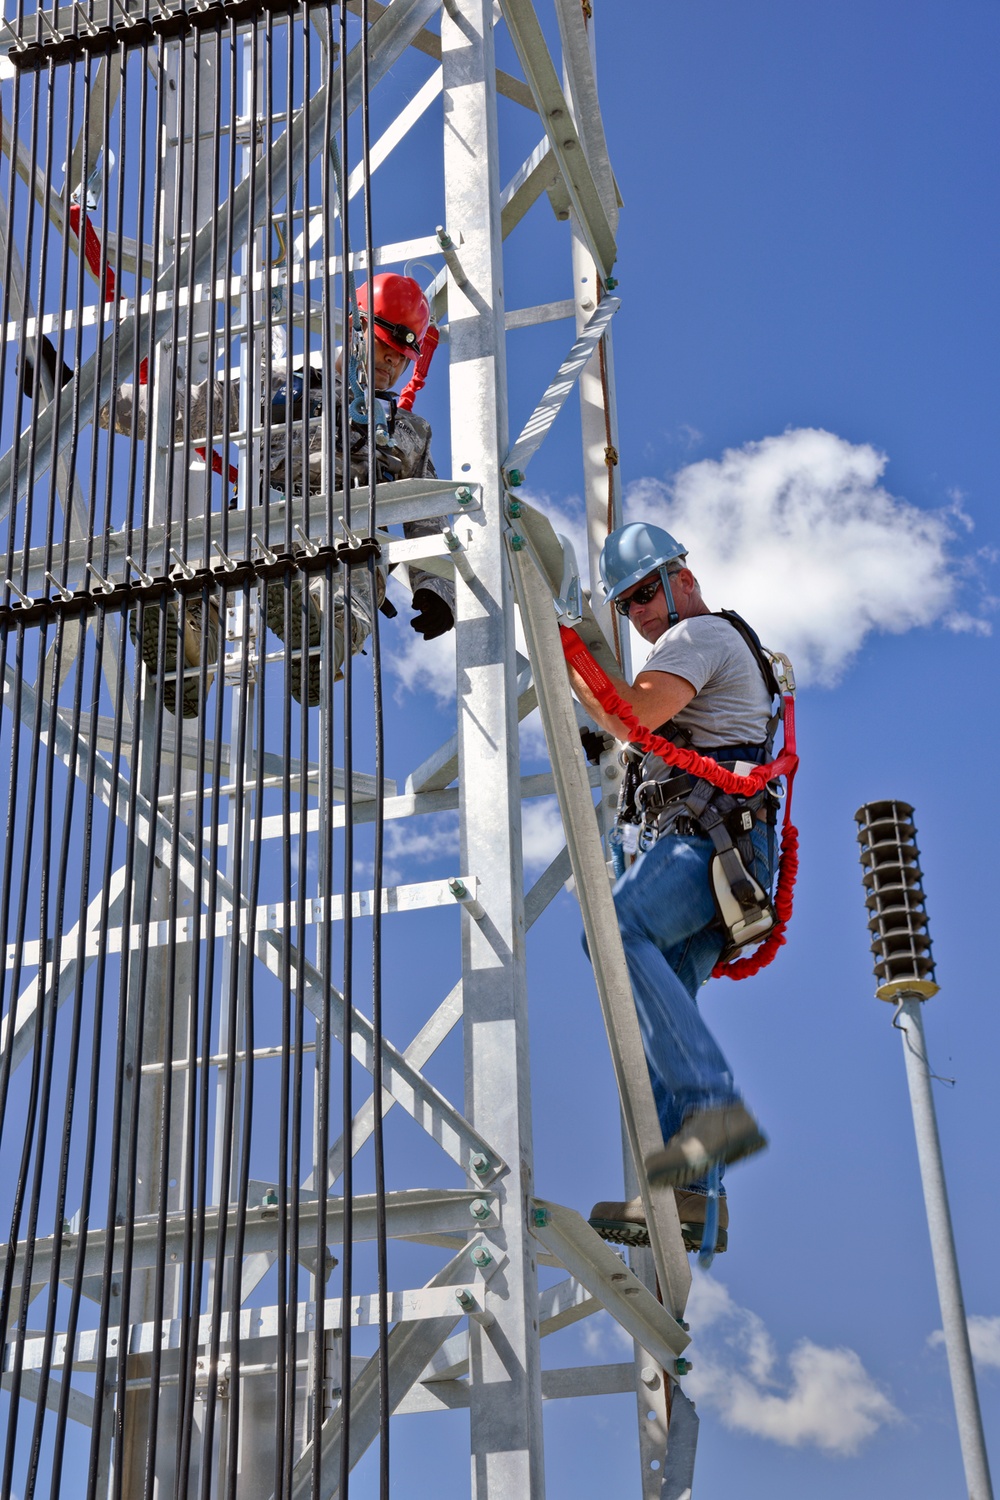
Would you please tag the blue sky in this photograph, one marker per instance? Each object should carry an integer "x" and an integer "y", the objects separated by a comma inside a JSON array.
[
  {"x": 807, "y": 388},
  {"x": 810, "y": 201}
]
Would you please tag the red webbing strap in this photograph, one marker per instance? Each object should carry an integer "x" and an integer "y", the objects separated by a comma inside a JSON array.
[
  {"x": 92, "y": 250},
  {"x": 218, "y": 466},
  {"x": 786, "y": 764},
  {"x": 417, "y": 381}
]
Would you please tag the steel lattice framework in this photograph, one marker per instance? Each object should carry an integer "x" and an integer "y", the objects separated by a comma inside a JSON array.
[{"x": 177, "y": 893}]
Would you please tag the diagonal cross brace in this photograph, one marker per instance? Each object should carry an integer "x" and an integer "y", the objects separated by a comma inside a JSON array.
[
  {"x": 406, "y": 1084},
  {"x": 537, "y": 427}
]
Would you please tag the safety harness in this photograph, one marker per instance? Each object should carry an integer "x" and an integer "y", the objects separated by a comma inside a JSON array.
[{"x": 722, "y": 800}]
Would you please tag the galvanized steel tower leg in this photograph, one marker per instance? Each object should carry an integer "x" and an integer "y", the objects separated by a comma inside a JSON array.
[{"x": 505, "y": 1384}]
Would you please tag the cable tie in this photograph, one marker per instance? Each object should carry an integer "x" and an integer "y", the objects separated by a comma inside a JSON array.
[
  {"x": 102, "y": 583},
  {"x": 23, "y": 597},
  {"x": 140, "y": 573},
  {"x": 182, "y": 563},
  {"x": 306, "y": 541},
  {"x": 61, "y": 589},
  {"x": 227, "y": 562},
  {"x": 269, "y": 556}
]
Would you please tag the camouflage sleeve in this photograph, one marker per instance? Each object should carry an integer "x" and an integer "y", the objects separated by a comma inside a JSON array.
[
  {"x": 129, "y": 406},
  {"x": 422, "y": 467}
]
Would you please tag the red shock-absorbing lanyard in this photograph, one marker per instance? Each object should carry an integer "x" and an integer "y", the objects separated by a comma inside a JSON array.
[{"x": 786, "y": 764}]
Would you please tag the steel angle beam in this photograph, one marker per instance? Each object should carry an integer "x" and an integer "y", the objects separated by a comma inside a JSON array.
[
  {"x": 597, "y": 1267},
  {"x": 153, "y": 830},
  {"x": 430, "y": 44},
  {"x": 403, "y": 500},
  {"x": 21, "y": 1020},
  {"x": 545, "y": 312},
  {"x": 526, "y": 33},
  {"x": 579, "y": 66},
  {"x": 682, "y": 1444},
  {"x": 535, "y": 599},
  {"x": 558, "y": 1307},
  {"x": 410, "y": 1346},
  {"x": 79, "y": 1408},
  {"x": 411, "y": 1212},
  {"x": 207, "y": 256},
  {"x": 537, "y": 173},
  {"x": 538, "y": 425}
]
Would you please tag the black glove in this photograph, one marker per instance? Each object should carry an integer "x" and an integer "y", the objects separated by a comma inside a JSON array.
[
  {"x": 434, "y": 615},
  {"x": 48, "y": 356},
  {"x": 594, "y": 742}
]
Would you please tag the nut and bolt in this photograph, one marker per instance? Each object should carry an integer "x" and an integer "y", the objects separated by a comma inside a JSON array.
[
  {"x": 681, "y": 1324},
  {"x": 479, "y": 1163},
  {"x": 465, "y": 1299},
  {"x": 514, "y": 509},
  {"x": 270, "y": 1199},
  {"x": 650, "y": 1376},
  {"x": 479, "y": 1208},
  {"x": 683, "y": 1366},
  {"x": 516, "y": 542},
  {"x": 515, "y": 477},
  {"x": 540, "y": 1217},
  {"x": 611, "y": 283},
  {"x": 480, "y": 1256},
  {"x": 464, "y": 495},
  {"x": 458, "y": 888}
]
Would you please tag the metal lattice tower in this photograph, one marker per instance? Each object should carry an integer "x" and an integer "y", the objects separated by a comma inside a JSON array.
[{"x": 176, "y": 901}]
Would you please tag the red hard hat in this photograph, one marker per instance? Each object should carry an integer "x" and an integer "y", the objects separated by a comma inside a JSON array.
[{"x": 401, "y": 312}]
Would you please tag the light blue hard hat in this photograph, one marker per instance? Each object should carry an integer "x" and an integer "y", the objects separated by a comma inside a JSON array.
[{"x": 632, "y": 553}]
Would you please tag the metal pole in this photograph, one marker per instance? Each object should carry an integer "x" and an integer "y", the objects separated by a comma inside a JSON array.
[
  {"x": 909, "y": 1021},
  {"x": 904, "y": 967}
]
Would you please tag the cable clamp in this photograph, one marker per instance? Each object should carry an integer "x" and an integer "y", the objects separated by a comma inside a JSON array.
[
  {"x": 102, "y": 583},
  {"x": 25, "y": 601},
  {"x": 311, "y": 547},
  {"x": 182, "y": 563},
  {"x": 269, "y": 556},
  {"x": 63, "y": 592},
  {"x": 140, "y": 573},
  {"x": 227, "y": 562}
]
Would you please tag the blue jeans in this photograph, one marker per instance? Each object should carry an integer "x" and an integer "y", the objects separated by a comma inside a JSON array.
[{"x": 666, "y": 913}]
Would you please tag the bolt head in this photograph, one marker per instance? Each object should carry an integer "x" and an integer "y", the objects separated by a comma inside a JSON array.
[
  {"x": 683, "y": 1366},
  {"x": 541, "y": 1217},
  {"x": 611, "y": 283},
  {"x": 514, "y": 509},
  {"x": 480, "y": 1163},
  {"x": 515, "y": 477},
  {"x": 464, "y": 1298},
  {"x": 464, "y": 495},
  {"x": 517, "y": 543},
  {"x": 479, "y": 1208},
  {"x": 480, "y": 1256}
]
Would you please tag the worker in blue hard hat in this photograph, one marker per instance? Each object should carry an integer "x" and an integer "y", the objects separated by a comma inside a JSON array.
[{"x": 707, "y": 684}]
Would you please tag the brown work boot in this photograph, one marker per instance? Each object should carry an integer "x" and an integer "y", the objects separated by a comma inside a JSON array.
[
  {"x": 193, "y": 630},
  {"x": 725, "y": 1134},
  {"x": 625, "y": 1223}
]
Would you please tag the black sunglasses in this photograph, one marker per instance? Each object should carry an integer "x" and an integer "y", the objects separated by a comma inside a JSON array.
[{"x": 641, "y": 595}]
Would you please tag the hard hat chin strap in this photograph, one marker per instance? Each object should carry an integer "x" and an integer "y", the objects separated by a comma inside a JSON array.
[{"x": 672, "y": 616}]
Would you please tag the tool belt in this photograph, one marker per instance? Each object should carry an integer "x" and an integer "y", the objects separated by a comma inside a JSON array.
[{"x": 686, "y": 806}]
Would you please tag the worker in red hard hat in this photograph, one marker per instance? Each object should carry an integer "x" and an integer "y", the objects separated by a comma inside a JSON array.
[{"x": 299, "y": 434}]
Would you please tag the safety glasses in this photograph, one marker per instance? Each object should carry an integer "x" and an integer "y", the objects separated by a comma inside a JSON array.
[{"x": 641, "y": 595}]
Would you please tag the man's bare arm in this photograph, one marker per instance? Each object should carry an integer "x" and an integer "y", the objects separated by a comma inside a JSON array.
[{"x": 654, "y": 697}]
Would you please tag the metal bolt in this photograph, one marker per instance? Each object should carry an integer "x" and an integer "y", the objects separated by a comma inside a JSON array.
[
  {"x": 540, "y": 1217},
  {"x": 683, "y": 1366},
  {"x": 270, "y": 1199},
  {"x": 649, "y": 1376},
  {"x": 611, "y": 283},
  {"x": 480, "y": 1256},
  {"x": 458, "y": 888},
  {"x": 479, "y": 1208},
  {"x": 464, "y": 495},
  {"x": 517, "y": 542},
  {"x": 464, "y": 1298},
  {"x": 514, "y": 509},
  {"x": 479, "y": 1163},
  {"x": 681, "y": 1324},
  {"x": 515, "y": 477}
]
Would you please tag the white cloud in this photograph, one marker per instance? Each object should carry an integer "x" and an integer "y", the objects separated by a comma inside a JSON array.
[
  {"x": 984, "y": 1336},
  {"x": 827, "y": 1400},
  {"x": 799, "y": 532},
  {"x": 405, "y": 843},
  {"x": 603, "y": 1338},
  {"x": 542, "y": 834},
  {"x": 423, "y": 666}
]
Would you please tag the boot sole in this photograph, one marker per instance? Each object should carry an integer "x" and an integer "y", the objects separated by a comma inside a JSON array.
[{"x": 636, "y": 1236}]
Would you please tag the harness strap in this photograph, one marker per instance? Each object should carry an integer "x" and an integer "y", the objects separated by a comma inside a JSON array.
[{"x": 785, "y": 764}]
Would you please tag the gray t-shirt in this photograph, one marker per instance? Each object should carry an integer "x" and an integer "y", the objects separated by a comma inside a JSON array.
[{"x": 731, "y": 705}]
